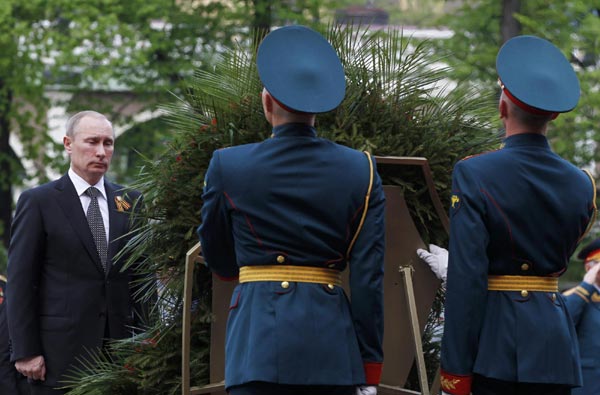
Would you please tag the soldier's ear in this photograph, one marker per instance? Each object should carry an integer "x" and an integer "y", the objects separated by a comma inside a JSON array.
[
  {"x": 503, "y": 108},
  {"x": 267, "y": 101}
]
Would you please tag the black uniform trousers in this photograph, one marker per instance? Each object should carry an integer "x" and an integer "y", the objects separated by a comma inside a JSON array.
[
  {"x": 263, "y": 388},
  {"x": 487, "y": 386}
]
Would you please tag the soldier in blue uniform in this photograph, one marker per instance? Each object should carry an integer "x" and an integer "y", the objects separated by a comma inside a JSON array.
[
  {"x": 286, "y": 216},
  {"x": 517, "y": 214},
  {"x": 583, "y": 303}
]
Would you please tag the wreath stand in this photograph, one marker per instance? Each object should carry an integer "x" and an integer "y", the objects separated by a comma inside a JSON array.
[{"x": 406, "y": 306}]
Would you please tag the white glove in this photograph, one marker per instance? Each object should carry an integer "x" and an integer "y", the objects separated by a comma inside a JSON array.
[
  {"x": 366, "y": 390},
  {"x": 437, "y": 260}
]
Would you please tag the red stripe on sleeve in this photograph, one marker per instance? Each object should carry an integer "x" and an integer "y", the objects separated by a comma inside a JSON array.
[{"x": 373, "y": 372}]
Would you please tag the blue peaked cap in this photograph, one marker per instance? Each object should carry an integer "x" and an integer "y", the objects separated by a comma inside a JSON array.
[
  {"x": 588, "y": 249},
  {"x": 536, "y": 72},
  {"x": 301, "y": 70}
]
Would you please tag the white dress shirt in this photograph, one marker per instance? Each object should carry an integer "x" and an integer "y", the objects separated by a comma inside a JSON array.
[{"x": 81, "y": 186}]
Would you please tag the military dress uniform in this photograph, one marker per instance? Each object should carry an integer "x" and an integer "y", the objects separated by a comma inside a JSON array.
[
  {"x": 286, "y": 216},
  {"x": 517, "y": 215},
  {"x": 583, "y": 303}
]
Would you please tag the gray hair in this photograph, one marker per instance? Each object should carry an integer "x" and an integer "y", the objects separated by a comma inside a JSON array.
[{"x": 74, "y": 120}]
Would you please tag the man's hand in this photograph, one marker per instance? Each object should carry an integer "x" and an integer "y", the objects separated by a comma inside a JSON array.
[
  {"x": 366, "y": 390},
  {"x": 32, "y": 367},
  {"x": 593, "y": 275},
  {"x": 437, "y": 259}
]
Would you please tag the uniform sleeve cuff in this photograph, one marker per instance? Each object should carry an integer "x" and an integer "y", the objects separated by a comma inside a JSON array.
[
  {"x": 373, "y": 372},
  {"x": 456, "y": 384}
]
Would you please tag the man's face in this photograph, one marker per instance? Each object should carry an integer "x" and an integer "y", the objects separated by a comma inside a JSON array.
[{"x": 90, "y": 148}]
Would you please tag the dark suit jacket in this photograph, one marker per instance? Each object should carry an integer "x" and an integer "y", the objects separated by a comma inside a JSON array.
[
  {"x": 10, "y": 379},
  {"x": 60, "y": 302}
]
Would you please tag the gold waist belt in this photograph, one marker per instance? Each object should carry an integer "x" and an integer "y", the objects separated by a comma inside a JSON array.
[
  {"x": 522, "y": 283},
  {"x": 302, "y": 274}
]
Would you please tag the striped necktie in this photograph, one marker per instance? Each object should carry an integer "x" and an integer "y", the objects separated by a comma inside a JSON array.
[{"x": 94, "y": 218}]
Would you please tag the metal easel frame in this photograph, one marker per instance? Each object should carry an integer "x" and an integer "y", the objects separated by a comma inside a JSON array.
[
  {"x": 192, "y": 257},
  {"x": 407, "y": 274},
  {"x": 414, "y": 325}
]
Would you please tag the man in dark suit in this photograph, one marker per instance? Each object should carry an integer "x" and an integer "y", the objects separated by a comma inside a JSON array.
[
  {"x": 583, "y": 303},
  {"x": 67, "y": 293},
  {"x": 286, "y": 216},
  {"x": 516, "y": 215}
]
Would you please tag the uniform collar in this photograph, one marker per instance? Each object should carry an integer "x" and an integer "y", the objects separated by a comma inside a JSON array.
[
  {"x": 294, "y": 129},
  {"x": 526, "y": 139}
]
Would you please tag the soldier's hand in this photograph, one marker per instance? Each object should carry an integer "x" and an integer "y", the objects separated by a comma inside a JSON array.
[
  {"x": 32, "y": 367},
  {"x": 366, "y": 390},
  {"x": 593, "y": 275},
  {"x": 437, "y": 259}
]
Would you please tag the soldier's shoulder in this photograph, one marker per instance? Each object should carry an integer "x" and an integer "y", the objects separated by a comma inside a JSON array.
[
  {"x": 569, "y": 291},
  {"x": 484, "y": 154},
  {"x": 239, "y": 149},
  {"x": 580, "y": 291}
]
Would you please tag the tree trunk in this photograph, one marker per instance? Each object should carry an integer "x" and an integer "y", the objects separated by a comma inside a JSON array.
[
  {"x": 6, "y": 174},
  {"x": 510, "y": 27}
]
